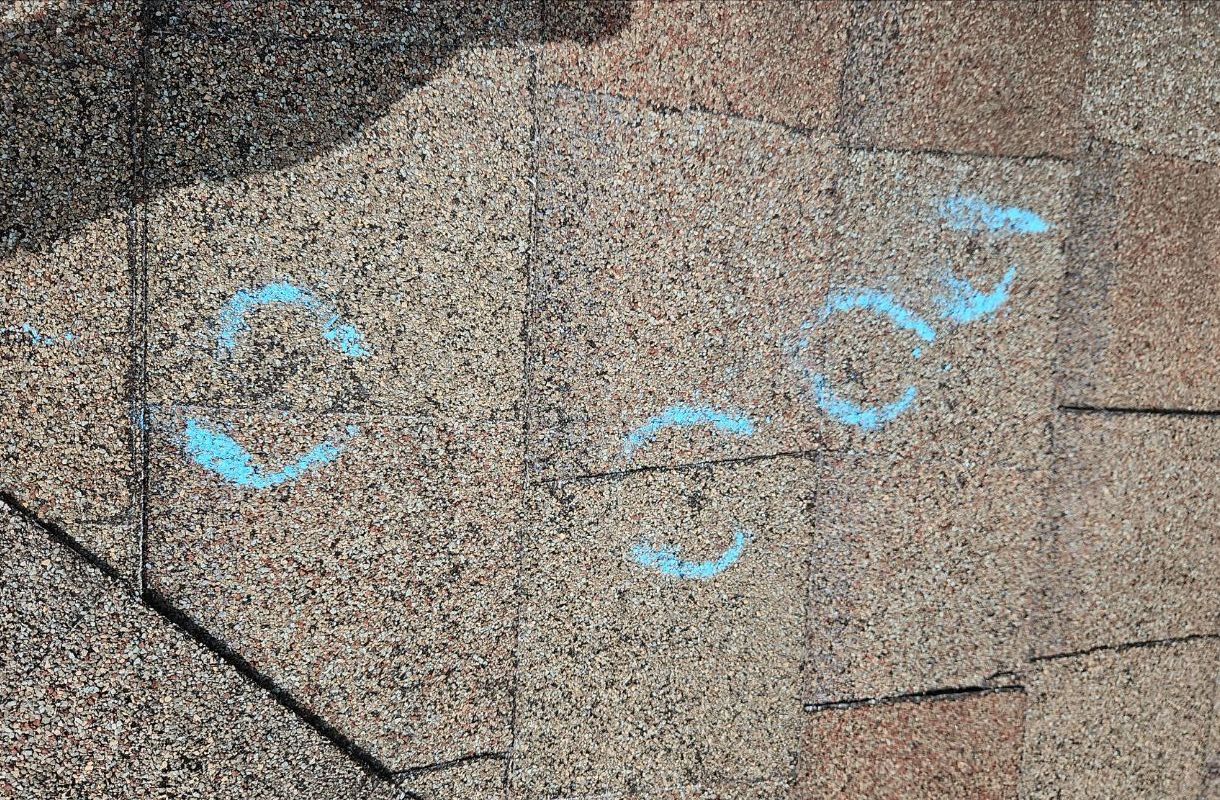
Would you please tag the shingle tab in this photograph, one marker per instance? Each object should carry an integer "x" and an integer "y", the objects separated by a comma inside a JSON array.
[
  {"x": 1111, "y": 724},
  {"x": 1152, "y": 83},
  {"x": 920, "y": 749},
  {"x": 677, "y": 254},
  {"x": 777, "y": 62},
  {"x": 121, "y": 704},
  {"x": 1001, "y": 78},
  {"x": 636, "y": 678},
  {"x": 919, "y": 575},
  {"x": 1141, "y": 314},
  {"x": 375, "y": 583},
  {"x": 67, "y": 360},
  {"x": 1134, "y": 552},
  {"x": 946, "y": 278},
  {"x": 407, "y": 221}
]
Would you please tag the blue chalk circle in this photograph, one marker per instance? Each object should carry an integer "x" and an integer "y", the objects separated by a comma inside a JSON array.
[
  {"x": 36, "y": 336},
  {"x": 216, "y": 451},
  {"x": 666, "y": 561},
  {"x": 976, "y": 214},
  {"x": 962, "y": 303},
  {"x": 839, "y": 408},
  {"x": 687, "y": 416},
  {"x": 211, "y": 447},
  {"x": 232, "y": 324}
]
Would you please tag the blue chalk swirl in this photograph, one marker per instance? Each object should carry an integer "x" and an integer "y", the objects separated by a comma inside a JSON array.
[
  {"x": 976, "y": 214},
  {"x": 686, "y": 416},
  {"x": 962, "y": 303},
  {"x": 38, "y": 337},
  {"x": 666, "y": 561},
  {"x": 217, "y": 452},
  {"x": 342, "y": 336},
  {"x": 880, "y": 303}
]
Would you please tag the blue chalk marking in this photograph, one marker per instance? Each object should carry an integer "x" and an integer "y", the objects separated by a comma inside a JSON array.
[
  {"x": 38, "y": 337},
  {"x": 849, "y": 413},
  {"x": 976, "y": 214},
  {"x": 881, "y": 303},
  {"x": 216, "y": 451},
  {"x": 843, "y": 410},
  {"x": 684, "y": 416},
  {"x": 963, "y": 303},
  {"x": 343, "y": 336},
  {"x": 666, "y": 560}
]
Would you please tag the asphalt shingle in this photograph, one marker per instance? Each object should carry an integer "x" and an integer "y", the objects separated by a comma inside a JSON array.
[
  {"x": 618, "y": 400},
  {"x": 121, "y": 704},
  {"x": 921, "y": 749},
  {"x": 777, "y": 62},
  {"x": 1151, "y": 83},
  {"x": 1131, "y": 723},
  {"x": 1133, "y": 550},
  {"x": 1001, "y": 79},
  {"x": 661, "y": 631}
]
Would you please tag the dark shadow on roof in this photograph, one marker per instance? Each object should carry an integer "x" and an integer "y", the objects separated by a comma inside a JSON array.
[{"x": 215, "y": 90}]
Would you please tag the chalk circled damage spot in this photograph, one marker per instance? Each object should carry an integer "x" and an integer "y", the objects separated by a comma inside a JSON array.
[
  {"x": 830, "y": 401},
  {"x": 212, "y": 448},
  {"x": 664, "y": 558}
]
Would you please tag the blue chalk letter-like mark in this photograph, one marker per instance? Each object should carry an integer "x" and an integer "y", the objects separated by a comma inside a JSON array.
[
  {"x": 976, "y": 214},
  {"x": 868, "y": 418},
  {"x": 685, "y": 416},
  {"x": 342, "y": 336},
  {"x": 216, "y": 451},
  {"x": 962, "y": 303},
  {"x": 666, "y": 560}
]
